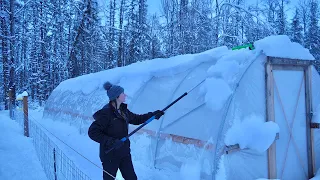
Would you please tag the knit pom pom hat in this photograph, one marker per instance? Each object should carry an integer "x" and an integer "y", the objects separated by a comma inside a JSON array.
[{"x": 113, "y": 91}]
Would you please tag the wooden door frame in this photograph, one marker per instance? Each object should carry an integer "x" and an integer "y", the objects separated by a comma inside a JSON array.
[{"x": 275, "y": 63}]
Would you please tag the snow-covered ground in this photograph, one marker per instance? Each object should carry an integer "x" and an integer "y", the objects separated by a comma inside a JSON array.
[
  {"x": 18, "y": 150},
  {"x": 18, "y": 159}
]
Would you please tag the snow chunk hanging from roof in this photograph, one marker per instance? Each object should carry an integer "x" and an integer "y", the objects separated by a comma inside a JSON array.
[
  {"x": 217, "y": 93},
  {"x": 252, "y": 133},
  {"x": 224, "y": 70},
  {"x": 221, "y": 77},
  {"x": 281, "y": 46}
]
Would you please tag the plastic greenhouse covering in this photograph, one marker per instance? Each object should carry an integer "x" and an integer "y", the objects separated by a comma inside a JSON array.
[{"x": 197, "y": 129}]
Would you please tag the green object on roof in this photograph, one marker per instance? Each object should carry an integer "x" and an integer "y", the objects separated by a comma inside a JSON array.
[{"x": 250, "y": 45}]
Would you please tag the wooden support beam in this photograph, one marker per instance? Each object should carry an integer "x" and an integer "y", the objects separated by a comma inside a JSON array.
[
  {"x": 308, "y": 101},
  {"x": 175, "y": 138},
  {"x": 286, "y": 61},
  {"x": 315, "y": 125},
  {"x": 236, "y": 147},
  {"x": 270, "y": 115},
  {"x": 285, "y": 67},
  {"x": 232, "y": 148}
]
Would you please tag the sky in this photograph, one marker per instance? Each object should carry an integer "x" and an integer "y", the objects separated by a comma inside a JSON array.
[{"x": 154, "y": 6}]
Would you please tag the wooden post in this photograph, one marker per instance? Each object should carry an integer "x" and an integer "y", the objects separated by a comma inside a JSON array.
[
  {"x": 270, "y": 115},
  {"x": 25, "y": 112},
  {"x": 308, "y": 101}
]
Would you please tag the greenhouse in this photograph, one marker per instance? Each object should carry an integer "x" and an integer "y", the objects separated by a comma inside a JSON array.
[{"x": 248, "y": 114}]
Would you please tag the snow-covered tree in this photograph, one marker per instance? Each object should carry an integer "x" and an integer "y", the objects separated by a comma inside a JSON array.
[
  {"x": 281, "y": 22},
  {"x": 313, "y": 33},
  {"x": 296, "y": 28},
  {"x": 4, "y": 18}
]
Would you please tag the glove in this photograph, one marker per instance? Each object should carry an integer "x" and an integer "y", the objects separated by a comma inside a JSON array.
[
  {"x": 117, "y": 144},
  {"x": 158, "y": 114}
]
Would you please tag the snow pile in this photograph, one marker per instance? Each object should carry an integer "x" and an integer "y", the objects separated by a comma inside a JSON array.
[
  {"x": 281, "y": 46},
  {"x": 20, "y": 96},
  {"x": 224, "y": 70},
  {"x": 217, "y": 93},
  {"x": 141, "y": 148},
  {"x": 221, "y": 174},
  {"x": 211, "y": 54},
  {"x": 223, "y": 76},
  {"x": 24, "y": 93},
  {"x": 252, "y": 133},
  {"x": 190, "y": 170},
  {"x": 316, "y": 115},
  {"x": 140, "y": 72},
  {"x": 18, "y": 157}
]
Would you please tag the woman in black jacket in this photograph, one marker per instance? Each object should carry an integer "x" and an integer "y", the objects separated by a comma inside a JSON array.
[{"x": 110, "y": 125}]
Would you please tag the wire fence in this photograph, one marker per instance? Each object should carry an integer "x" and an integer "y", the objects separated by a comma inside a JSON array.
[{"x": 56, "y": 165}]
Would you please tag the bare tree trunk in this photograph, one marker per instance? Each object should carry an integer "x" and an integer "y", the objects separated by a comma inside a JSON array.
[
  {"x": 34, "y": 53},
  {"x": 182, "y": 26},
  {"x": 131, "y": 58},
  {"x": 12, "y": 52},
  {"x": 304, "y": 12},
  {"x": 216, "y": 30},
  {"x": 72, "y": 61},
  {"x": 24, "y": 79},
  {"x": 5, "y": 57},
  {"x": 41, "y": 59},
  {"x": 111, "y": 30},
  {"x": 120, "y": 43},
  {"x": 172, "y": 14}
]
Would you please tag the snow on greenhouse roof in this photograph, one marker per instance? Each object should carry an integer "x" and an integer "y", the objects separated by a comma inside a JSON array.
[
  {"x": 136, "y": 74},
  {"x": 281, "y": 46},
  {"x": 141, "y": 72}
]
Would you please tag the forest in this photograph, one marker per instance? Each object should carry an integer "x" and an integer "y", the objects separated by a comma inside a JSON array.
[{"x": 44, "y": 42}]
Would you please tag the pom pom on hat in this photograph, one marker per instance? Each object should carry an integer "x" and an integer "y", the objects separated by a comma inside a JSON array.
[{"x": 107, "y": 85}]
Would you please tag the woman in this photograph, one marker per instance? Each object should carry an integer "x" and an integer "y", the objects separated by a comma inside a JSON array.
[{"x": 110, "y": 125}]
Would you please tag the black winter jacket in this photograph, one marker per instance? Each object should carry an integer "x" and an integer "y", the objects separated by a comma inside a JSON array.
[{"x": 110, "y": 125}]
